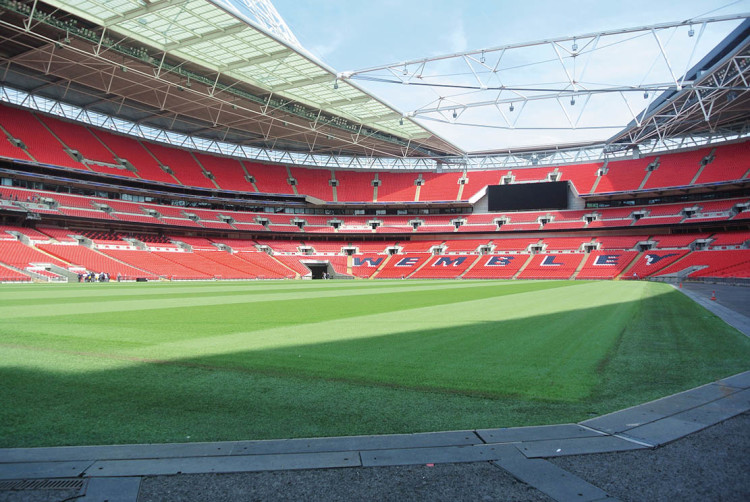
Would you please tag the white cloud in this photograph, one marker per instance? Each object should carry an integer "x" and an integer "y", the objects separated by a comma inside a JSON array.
[{"x": 456, "y": 39}]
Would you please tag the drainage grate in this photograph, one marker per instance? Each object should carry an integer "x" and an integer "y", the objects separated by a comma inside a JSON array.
[{"x": 42, "y": 484}]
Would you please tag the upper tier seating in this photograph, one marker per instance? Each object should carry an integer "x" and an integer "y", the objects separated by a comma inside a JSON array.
[
  {"x": 477, "y": 180},
  {"x": 182, "y": 164},
  {"x": 128, "y": 148},
  {"x": 582, "y": 176},
  {"x": 676, "y": 169},
  {"x": 623, "y": 175},
  {"x": 443, "y": 186},
  {"x": 397, "y": 187},
  {"x": 730, "y": 163},
  {"x": 41, "y": 145},
  {"x": 228, "y": 173},
  {"x": 270, "y": 179},
  {"x": 354, "y": 186},
  {"x": 313, "y": 182},
  {"x": 78, "y": 138}
]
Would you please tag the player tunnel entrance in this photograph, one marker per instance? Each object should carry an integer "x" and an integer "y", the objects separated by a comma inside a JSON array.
[{"x": 319, "y": 269}]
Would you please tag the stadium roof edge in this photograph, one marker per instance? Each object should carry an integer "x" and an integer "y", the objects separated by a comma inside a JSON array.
[
  {"x": 736, "y": 44},
  {"x": 220, "y": 39}
]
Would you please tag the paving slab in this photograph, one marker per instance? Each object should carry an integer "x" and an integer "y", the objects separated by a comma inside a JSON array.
[
  {"x": 550, "y": 479},
  {"x": 708, "y": 392},
  {"x": 717, "y": 411},
  {"x": 42, "y": 470},
  {"x": 356, "y": 443},
  {"x": 413, "y": 456},
  {"x": 683, "y": 401},
  {"x": 232, "y": 463},
  {"x": 115, "y": 452},
  {"x": 576, "y": 446},
  {"x": 741, "y": 380},
  {"x": 536, "y": 433},
  {"x": 112, "y": 490},
  {"x": 623, "y": 420},
  {"x": 664, "y": 431}
]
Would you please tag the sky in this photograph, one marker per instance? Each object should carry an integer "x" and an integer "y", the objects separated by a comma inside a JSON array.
[{"x": 356, "y": 34}]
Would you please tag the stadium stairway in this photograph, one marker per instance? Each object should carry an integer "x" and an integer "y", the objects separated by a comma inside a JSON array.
[
  {"x": 523, "y": 267},
  {"x": 630, "y": 266},
  {"x": 419, "y": 267},
  {"x": 382, "y": 266},
  {"x": 462, "y": 274},
  {"x": 681, "y": 272},
  {"x": 580, "y": 266},
  {"x": 296, "y": 274}
]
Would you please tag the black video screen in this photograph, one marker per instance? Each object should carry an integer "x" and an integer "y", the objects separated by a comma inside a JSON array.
[{"x": 528, "y": 196}]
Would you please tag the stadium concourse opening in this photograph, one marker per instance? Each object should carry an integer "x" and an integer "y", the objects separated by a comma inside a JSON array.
[{"x": 319, "y": 269}]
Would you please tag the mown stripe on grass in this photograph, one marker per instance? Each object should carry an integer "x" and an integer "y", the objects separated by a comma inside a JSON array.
[
  {"x": 100, "y": 304},
  {"x": 71, "y": 293}
]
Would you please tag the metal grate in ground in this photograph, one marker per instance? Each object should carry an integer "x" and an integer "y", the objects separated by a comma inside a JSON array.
[{"x": 42, "y": 484}]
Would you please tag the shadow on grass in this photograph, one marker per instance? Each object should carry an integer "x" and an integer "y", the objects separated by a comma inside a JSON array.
[{"x": 538, "y": 370}]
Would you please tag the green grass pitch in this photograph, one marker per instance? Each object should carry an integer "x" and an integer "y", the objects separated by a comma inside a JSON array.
[{"x": 174, "y": 362}]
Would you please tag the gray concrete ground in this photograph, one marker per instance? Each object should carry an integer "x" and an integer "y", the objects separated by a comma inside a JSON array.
[{"x": 689, "y": 446}]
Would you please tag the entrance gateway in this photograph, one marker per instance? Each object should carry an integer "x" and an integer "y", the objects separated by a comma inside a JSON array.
[{"x": 318, "y": 268}]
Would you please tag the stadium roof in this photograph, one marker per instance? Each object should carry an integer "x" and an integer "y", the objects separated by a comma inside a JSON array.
[
  {"x": 208, "y": 69},
  {"x": 232, "y": 76}
]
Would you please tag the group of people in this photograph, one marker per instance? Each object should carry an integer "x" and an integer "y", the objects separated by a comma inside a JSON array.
[
  {"x": 31, "y": 198},
  {"x": 93, "y": 277}
]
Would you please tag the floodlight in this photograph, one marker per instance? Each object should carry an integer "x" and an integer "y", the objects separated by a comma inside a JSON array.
[
  {"x": 511, "y": 107},
  {"x": 336, "y": 84},
  {"x": 575, "y": 46},
  {"x": 572, "y": 101},
  {"x": 691, "y": 31},
  {"x": 401, "y": 121},
  {"x": 645, "y": 95},
  {"x": 481, "y": 59},
  {"x": 455, "y": 115}
]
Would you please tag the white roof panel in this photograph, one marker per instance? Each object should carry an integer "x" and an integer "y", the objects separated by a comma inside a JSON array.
[{"x": 202, "y": 32}]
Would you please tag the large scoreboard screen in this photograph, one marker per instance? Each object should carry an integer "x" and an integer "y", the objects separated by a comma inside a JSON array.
[{"x": 528, "y": 196}]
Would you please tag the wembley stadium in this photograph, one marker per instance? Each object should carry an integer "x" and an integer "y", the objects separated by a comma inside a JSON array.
[{"x": 505, "y": 247}]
